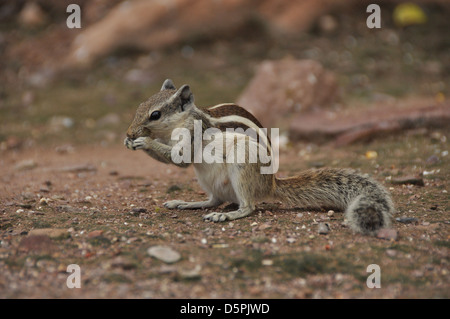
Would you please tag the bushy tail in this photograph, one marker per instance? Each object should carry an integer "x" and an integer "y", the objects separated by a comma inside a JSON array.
[{"x": 367, "y": 205}]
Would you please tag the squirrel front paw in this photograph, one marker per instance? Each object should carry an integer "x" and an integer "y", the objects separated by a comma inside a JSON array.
[
  {"x": 128, "y": 142},
  {"x": 137, "y": 144}
]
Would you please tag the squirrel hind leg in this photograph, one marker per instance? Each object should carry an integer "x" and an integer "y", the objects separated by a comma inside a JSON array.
[
  {"x": 367, "y": 215},
  {"x": 246, "y": 205},
  {"x": 221, "y": 217}
]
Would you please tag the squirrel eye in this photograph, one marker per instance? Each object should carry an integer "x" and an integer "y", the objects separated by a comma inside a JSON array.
[{"x": 155, "y": 115}]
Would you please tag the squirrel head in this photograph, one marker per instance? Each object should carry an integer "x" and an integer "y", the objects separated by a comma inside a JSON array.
[{"x": 162, "y": 113}]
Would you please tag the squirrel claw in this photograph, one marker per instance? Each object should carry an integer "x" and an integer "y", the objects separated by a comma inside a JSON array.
[{"x": 215, "y": 217}]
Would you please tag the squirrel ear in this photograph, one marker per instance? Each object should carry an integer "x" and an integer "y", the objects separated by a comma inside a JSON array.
[
  {"x": 186, "y": 96},
  {"x": 168, "y": 85}
]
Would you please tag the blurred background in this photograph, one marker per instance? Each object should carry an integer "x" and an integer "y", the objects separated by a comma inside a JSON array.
[{"x": 312, "y": 68}]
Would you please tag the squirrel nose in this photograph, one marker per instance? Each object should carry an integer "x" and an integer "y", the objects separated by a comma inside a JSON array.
[{"x": 131, "y": 134}]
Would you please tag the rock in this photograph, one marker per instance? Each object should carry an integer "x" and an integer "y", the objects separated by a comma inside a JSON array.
[
  {"x": 365, "y": 123},
  {"x": 414, "y": 180},
  {"x": 323, "y": 228},
  {"x": 50, "y": 232},
  {"x": 155, "y": 25},
  {"x": 407, "y": 220},
  {"x": 190, "y": 274},
  {"x": 388, "y": 234},
  {"x": 25, "y": 165},
  {"x": 265, "y": 226},
  {"x": 281, "y": 88},
  {"x": 37, "y": 244},
  {"x": 164, "y": 253},
  {"x": 159, "y": 24},
  {"x": 32, "y": 15},
  {"x": 327, "y": 23},
  {"x": 95, "y": 233},
  {"x": 391, "y": 252},
  {"x": 267, "y": 262},
  {"x": 330, "y": 213},
  {"x": 221, "y": 245}
]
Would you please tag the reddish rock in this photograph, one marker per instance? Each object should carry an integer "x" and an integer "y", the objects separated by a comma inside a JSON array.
[
  {"x": 95, "y": 233},
  {"x": 155, "y": 25},
  {"x": 32, "y": 15},
  {"x": 352, "y": 125},
  {"x": 158, "y": 24},
  {"x": 37, "y": 244},
  {"x": 282, "y": 88}
]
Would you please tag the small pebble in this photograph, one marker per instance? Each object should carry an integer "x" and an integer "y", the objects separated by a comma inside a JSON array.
[
  {"x": 220, "y": 246},
  {"x": 164, "y": 253},
  {"x": 330, "y": 213},
  {"x": 391, "y": 252},
  {"x": 25, "y": 165},
  {"x": 267, "y": 262},
  {"x": 407, "y": 220},
  {"x": 190, "y": 274},
  {"x": 323, "y": 228}
]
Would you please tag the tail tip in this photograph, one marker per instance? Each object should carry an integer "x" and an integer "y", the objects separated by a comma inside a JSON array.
[{"x": 368, "y": 220}]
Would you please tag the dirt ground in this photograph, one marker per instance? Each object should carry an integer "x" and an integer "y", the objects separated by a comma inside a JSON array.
[{"x": 101, "y": 208}]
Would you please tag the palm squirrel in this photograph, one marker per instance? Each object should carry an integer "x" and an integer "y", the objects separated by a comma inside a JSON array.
[{"x": 367, "y": 205}]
